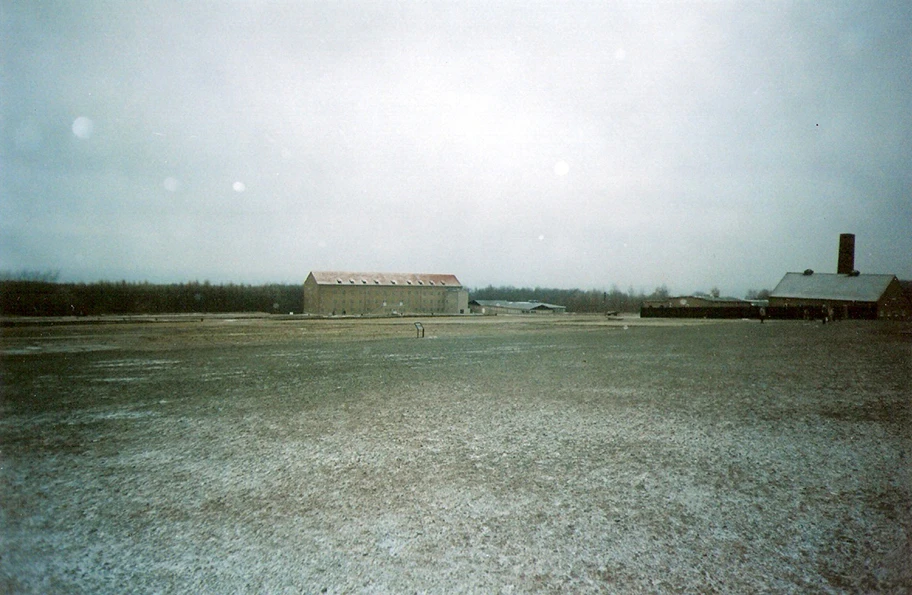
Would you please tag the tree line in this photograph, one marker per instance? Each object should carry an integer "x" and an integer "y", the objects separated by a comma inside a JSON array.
[
  {"x": 40, "y": 295},
  {"x": 27, "y": 297}
]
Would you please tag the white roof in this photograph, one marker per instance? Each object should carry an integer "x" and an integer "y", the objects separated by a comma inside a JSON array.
[{"x": 831, "y": 286}]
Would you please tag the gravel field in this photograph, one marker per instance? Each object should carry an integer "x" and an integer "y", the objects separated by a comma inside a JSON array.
[{"x": 496, "y": 455}]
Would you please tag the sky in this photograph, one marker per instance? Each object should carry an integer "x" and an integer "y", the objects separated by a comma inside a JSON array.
[{"x": 553, "y": 144}]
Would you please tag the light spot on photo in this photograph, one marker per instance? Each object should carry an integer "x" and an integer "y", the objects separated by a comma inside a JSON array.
[
  {"x": 561, "y": 168},
  {"x": 83, "y": 127}
]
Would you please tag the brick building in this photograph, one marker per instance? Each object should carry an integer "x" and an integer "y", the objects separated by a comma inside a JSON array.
[{"x": 359, "y": 293}]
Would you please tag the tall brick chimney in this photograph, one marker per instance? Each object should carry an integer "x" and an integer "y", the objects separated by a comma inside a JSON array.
[{"x": 846, "y": 254}]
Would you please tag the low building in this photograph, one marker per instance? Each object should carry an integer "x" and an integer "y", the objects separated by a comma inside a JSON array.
[
  {"x": 494, "y": 307},
  {"x": 839, "y": 295},
  {"x": 700, "y": 306},
  {"x": 331, "y": 293},
  {"x": 695, "y": 301}
]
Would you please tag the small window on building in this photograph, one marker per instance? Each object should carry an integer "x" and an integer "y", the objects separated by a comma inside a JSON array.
[
  {"x": 431, "y": 282},
  {"x": 338, "y": 280},
  {"x": 393, "y": 281},
  {"x": 376, "y": 282},
  {"x": 352, "y": 281},
  {"x": 420, "y": 282},
  {"x": 363, "y": 281},
  {"x": 409, "y": 282}
]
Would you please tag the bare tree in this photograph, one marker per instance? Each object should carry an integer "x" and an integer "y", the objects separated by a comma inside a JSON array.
[{"x": 753, "y": 294}]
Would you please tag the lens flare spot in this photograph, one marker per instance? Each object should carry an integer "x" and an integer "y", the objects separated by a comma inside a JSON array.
[
  {"x": 561, "y": 168},
  {"x": 83, "y": 127},
  {"x": 171, "y": 184},
  {"x": 239, "y": 186}
]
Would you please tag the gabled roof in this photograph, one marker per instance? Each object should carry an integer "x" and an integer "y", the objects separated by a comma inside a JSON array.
[
  {"x": 386, "y": 279},
  {"x": 830, "y": 286},
  {"x": 518, "y": 305},
  {"x": 712, "y": 298}
]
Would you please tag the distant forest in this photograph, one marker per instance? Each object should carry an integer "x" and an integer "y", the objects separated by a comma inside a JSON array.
[
  {"x": 41, "y": 295},
  {"x": 44, "y": 298}
]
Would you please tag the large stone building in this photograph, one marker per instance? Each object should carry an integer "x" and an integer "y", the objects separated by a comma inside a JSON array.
[{"x": 353, "y": 293}]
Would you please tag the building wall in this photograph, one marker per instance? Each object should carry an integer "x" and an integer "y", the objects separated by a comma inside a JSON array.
[
  {"x": 495, "y": 310},
  {"x": 369, "y": 299},
  {"x": 745, "y": 310},
  {"x": 814, "y": 309},
  {"x": 784, "y": 302},
  {"x": 815, "y": 305},
  {"x": 457, "y": 301},
  {"x": 894, "y": 304},
  {"x": 312, "y": 303},
  {"x": 693, "y": 302}
]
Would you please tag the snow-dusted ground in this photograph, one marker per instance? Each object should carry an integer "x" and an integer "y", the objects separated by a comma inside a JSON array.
[{"x": 567, "y": 455}]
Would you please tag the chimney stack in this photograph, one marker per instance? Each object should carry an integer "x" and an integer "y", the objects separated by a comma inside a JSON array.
[{"x": 846, "y": 254}]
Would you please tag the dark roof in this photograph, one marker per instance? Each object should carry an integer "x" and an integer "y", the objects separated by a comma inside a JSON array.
[
  {"x": 831, "y": 286},
  {"x": 388, "y": 279},
  {"x": 709, "y": 298},
  {"x": 518, "y": 305}
]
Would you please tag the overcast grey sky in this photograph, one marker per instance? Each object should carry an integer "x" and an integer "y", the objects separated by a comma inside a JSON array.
[{"x": 559, "y": 144}]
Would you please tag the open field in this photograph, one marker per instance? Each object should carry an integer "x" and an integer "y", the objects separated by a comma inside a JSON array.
[{"x": 526, "y": 454}]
